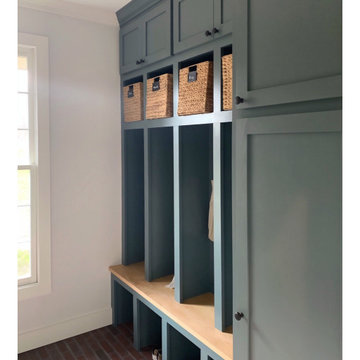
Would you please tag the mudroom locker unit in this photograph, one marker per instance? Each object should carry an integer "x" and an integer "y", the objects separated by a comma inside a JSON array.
[{"x": 268, "y": 283}]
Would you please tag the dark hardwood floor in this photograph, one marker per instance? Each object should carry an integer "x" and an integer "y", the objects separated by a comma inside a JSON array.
[{"x": 107, "y": 343}]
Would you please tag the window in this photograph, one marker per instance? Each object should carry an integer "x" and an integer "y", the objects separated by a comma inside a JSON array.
[{"x": 33, "y": 202}]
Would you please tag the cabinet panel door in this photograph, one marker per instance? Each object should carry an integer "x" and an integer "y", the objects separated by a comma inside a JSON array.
[
  {"x": 192, "y": 18},
  {"x": 287, "y": 237},
  {"x": 157, "y": 34},
  {"x": 223, "y": 13},
  {"x": 287, "y": 51},
  {"x": 131, "y": 45}
]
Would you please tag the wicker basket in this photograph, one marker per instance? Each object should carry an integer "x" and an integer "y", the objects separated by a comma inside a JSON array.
[
  {"x": 159, "y": 97},
  {"x": 227, "y": 82},
  {"x": 133, "y": 102},
  {"x": 196, "y": 89}
]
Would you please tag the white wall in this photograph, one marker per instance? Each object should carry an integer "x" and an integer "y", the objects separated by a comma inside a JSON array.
[{"x": 85, "y": 178}]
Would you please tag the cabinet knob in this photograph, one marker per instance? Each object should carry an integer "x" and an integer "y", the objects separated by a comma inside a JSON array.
[
  {"x": 238, "y": 100},
  {"x": 137, "y": 62},
  {"x": 215, "y": 30},
  {"x": 208, "y": 33},
  {"x": 238, "y": 316}
]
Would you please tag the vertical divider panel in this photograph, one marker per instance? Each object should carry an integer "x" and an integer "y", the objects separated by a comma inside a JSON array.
[
  {"x": 226, "y": 223},
  {"x": 136, "y": 323},
  {"x": 218, "y": 241},
  {"x": 177, "y": 248},
  {"x": 146, "y": 206},
  {"x": 165, "y": 339},
  {"x": 217, "y": 80}
]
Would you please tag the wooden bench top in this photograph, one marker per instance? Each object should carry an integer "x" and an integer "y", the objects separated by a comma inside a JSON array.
[{"x": 196, "y": 315}]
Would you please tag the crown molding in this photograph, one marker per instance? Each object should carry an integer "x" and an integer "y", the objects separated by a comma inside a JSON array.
[
  {"x": 133, "y": 9},
  {"x": 77, "y": 11}
]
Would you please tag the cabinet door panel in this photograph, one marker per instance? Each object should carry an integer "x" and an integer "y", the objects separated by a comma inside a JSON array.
[
  {"x": 157, "y": 33},
  {"x": 223, "y": 13},
  {"x": 131, "y": 45},
  {"x": 192, "y": 18},
  {"x": 287, "y": 51},
  {"x": 287, "y": 239}
]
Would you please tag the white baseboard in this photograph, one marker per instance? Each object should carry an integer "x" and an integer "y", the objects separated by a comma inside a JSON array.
[{"x": 35, "y": 338}]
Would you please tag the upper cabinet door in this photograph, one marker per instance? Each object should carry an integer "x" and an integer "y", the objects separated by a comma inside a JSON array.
[
  {"x": 193, "y": 23},
  {"x": 223, "y": 13},
  {"x": 287, "y": 237},
  {"x": 157, "y": 36},
  {"x": 286, "y": 51},
  {"x": 131, "y": 45}
]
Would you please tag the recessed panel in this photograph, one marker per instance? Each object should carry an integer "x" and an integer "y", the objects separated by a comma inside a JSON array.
[
  {"x": 294, "y": 237},
  {"x": 156, "y": 34},
  {"x": 292, "y": 41},
  {"x": 131, "y": 47},
  {"x": 195, "y": 17}
]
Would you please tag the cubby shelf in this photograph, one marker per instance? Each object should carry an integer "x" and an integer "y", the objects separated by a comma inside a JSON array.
[
  {"x": 194, "y": 319},
  {"x": 168, "y": 165}
]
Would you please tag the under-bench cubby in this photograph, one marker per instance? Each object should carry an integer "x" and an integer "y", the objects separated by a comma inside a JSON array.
[
  {"x": 181, "y": 348},
  {"x": 147, "y": 327},
  {"x": 182, "y": 331}
]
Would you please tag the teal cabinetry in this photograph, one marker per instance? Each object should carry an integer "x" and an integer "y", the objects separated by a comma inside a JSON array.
[
  {"x": 286, "y": 51},
  {"x": 287, "y": 231},
  {"x": 200, "y": 21},
  {"x": 146, "y": 38}
]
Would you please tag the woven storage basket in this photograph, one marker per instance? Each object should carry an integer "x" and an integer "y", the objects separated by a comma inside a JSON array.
[
  {"x": 133, "y": 102},
  {"x": 196, "y": 89},
  {"x": 159, "y": 97},
  {"x": 227, "y": 82}
]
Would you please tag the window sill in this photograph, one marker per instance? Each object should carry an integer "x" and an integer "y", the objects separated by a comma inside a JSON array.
[{"x": 29, "y": 291}]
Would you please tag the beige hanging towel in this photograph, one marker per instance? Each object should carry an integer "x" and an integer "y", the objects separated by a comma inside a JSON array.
[{"x": 211, "y": 213}]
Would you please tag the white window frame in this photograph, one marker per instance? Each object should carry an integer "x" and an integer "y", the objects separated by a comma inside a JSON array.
[{"x": 39, "y": 130}]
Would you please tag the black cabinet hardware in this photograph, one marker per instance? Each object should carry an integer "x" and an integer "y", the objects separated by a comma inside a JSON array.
[
  {"x": 208, "y": 33},
  {"x": 238, "y": 100},
  {"x": 238, "y": 316}
]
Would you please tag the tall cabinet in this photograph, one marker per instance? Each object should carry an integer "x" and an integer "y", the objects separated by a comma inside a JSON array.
[
  {"x": 287, "y": 180},
  {"x": 272, "y": 276}
]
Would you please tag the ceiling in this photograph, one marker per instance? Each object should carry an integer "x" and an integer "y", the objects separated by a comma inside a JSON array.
[{"x": 112, "y": 5}]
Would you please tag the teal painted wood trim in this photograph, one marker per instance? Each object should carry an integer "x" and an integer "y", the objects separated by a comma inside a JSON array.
[
  {"x": 164, "y": 339},
  {"x": 148, "y": 253},
  {"x": 198, "y": 119},
  {"x": 218, "y": 241},
  {"x": 133, "y": 9},
  {"x": 178, "y": 58},
  {"x": 177, "y": 247},
  {"x": 136, "y": 323}
]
